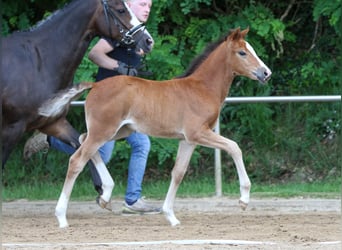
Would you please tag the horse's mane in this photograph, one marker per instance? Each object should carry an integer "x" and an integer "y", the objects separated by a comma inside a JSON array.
[
  {"x": 200, "y": 58},
  {"x": 56, "y": 13}
]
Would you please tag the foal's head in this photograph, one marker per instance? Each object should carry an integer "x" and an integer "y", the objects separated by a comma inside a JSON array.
[{"x": 244, "y": 60}]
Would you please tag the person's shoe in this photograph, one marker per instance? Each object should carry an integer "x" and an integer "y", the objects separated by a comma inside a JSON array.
[
  {"x": 140, "y": 207},
  {"x": 38, "y": 142}
]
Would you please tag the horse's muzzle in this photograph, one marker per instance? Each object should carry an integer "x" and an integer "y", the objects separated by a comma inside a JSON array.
[
  {"x": 149, "y": 45},
  {"x": 263, "y": 74}
]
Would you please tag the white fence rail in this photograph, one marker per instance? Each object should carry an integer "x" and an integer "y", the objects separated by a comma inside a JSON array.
[{"x": 266, "y": 99}]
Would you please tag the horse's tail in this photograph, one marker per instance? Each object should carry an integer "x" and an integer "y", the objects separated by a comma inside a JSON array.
[{"x": 59, "y": 103}]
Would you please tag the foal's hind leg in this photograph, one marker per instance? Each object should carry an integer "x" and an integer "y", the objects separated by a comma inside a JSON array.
[
  {"x": 185, "y": 151},
  {"x": 210, "y": 139},
  {"x": 76, "y": 164}
]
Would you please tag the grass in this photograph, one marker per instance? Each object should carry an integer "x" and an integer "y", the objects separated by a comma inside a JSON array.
[
  {"x": 331, "y": 189},
  {"x": 189, "y": 188}
]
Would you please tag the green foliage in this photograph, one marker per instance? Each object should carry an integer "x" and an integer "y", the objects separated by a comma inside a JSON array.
[
  {"x": 280, "y": 142},
  {"x": 164, "y": 67},
  {"x": 265, "y": 25},
  {"x": 331, "y": 9},
  {"x": 191, "y": 5},
  {"x": 20, "y": 15},
  {"x": 13, "y": 16}
]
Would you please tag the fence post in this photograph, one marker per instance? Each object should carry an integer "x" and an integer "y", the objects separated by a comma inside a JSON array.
[{"x": 218, "y": 165}]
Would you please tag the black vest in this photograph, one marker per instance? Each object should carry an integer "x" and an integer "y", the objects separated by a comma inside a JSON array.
[{"x": 120, "y": 53}]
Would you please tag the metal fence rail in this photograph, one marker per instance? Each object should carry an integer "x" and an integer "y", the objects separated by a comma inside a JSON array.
[{"x": 265, "y": 99}]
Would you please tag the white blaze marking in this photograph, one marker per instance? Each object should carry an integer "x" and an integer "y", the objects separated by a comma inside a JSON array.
[{"x": 250, "y": 48}]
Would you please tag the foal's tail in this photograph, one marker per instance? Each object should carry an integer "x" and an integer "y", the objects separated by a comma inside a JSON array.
[{"x": 60, "y": 102}]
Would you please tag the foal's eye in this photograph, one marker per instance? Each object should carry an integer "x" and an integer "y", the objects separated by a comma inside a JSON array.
[
  {"x": 121, "y": 11},
  {"x": 242, "y": 53}
]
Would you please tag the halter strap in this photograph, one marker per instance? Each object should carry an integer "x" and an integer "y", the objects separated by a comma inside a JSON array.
[{"x": 127, "y": 38}]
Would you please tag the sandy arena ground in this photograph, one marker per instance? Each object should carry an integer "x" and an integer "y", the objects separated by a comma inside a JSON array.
[{"x": 209, "y": 223}]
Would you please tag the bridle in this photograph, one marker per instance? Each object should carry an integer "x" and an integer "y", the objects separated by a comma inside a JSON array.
[{"x": 127, "y": 38}]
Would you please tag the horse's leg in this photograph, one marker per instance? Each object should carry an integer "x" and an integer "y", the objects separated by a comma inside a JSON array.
[
  {"x": 185, "y": 151},
  {"x": 10, "y": 136},
  {"x": 210, "y": 139},
  {"x": 105, "y": 182},
  {"x": 76, "y": 164},
  {"x": 63, "y": 130}
]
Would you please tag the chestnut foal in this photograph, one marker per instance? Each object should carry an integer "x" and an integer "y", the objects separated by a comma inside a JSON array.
[{"x": 184, "y": 108}]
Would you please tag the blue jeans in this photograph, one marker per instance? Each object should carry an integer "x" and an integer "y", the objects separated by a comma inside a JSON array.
[{"x": 140, "y": 148}]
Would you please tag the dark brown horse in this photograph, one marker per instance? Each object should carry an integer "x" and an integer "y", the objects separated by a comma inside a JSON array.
[
  {"x": 39, "y": 62},
  {"x": 184, "y": 108}
]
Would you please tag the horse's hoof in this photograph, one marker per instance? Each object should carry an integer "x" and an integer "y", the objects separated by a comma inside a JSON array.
[
  {"x": 243, "y": 205},
  {"x": 172, "y": 219},
  {"x": 62, "y": 222},
  {"x": 175, "y": 223},
  {"x": 61, "y": 226},
  {"x": 104, "y": 204}
]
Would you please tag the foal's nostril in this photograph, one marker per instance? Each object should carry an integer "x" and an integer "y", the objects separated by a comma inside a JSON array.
[
  {"x": 267, "y": 74},
  {"x": 263, "y": 74},
  {"x": 149, "y": 41}
]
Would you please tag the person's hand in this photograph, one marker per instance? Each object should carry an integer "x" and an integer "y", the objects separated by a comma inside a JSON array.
[{"x": 123, "y": 69}]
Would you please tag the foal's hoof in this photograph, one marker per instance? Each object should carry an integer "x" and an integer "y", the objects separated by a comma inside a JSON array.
[
  {"x": 104, "y": 204},
  {"x": 175, "y": 223},
  {"x": 62, "y": 221},
  {"x": 243, "y": 205}
]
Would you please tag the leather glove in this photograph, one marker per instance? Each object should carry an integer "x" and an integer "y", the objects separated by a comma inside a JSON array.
[{"x": 123, "y": 69}]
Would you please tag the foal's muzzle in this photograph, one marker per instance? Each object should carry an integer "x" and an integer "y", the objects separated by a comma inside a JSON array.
[{"x": 263, "y": 74}]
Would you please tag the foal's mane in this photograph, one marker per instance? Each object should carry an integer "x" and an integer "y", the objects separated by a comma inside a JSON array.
[{"x": 200, "y": 58}]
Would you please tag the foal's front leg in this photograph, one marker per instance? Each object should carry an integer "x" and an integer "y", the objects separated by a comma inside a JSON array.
[
  {"x": 210, "y": 139},
  {"x": 107, "y": 183},
  {"x": 185, "y": 151}
]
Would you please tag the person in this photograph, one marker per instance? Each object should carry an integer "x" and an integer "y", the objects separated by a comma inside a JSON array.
[{"x": 116, "y": 59}]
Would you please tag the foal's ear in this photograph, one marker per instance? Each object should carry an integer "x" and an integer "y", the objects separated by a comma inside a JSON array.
[
  {"x": 234, "y": 34},
  {"x": 237, "y": 34},
  {"x": 244, "y": 32}
]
